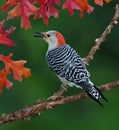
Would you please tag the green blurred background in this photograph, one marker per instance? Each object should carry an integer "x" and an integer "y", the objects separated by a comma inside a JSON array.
[{"x": 80, "y": 34}]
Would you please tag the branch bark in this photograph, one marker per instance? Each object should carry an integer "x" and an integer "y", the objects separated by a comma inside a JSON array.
[
  {"x": 40, "y": 106},
  {"x": 57, "y": 99}
]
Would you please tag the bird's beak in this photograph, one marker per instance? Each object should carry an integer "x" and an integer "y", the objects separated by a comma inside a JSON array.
[{"x": 40, "y": 34}]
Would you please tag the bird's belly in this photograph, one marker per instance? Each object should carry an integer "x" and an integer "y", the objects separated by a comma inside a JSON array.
[{"x": 66, "y": 82}]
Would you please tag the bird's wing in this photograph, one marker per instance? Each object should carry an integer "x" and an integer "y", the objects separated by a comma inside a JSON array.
[
  {"x": 66, "y": 63},
  {"x": 77, "y": 73}
]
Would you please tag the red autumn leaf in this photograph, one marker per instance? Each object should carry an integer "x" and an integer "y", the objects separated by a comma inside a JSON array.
[
  {"x": 23, "y": 9},
  {"x": 70, "y": 5},
  {"x": 6, "y": 34},
  {"x": 42, "y": 1},
  {"x": 50, "y": 2},
  {"x": 9, "y": 3},
  {"x": 81, "y": 5},
  {"x": 26, "y": 8},
  {"x": 99, "y": 2},
  {"x": 15, "y": 67},
  {"x": 47, "y": 9}
]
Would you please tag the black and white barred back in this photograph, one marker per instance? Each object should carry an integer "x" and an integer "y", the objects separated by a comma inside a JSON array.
[{"x": 66, "y": 63}]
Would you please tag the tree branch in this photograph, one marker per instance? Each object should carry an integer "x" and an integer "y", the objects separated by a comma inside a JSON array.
[
  {"x": 103, "y": 36},
  {"x": 40, "y": 106},
  {"x": 57, "y": 99}
]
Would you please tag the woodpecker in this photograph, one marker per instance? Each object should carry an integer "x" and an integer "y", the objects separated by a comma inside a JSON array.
[{"x": 68, "y": 65}]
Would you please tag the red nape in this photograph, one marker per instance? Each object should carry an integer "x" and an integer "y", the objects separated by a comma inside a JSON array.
[{"x": 61, "y": 40}]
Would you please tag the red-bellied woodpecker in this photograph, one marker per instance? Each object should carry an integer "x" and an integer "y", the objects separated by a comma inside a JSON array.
[{"x": 68, "y": 65}]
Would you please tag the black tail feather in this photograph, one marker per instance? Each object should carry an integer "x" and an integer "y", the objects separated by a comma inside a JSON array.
[
  {"x": 102, "y": 96},
  {"x": 97, "y": 100},
  {"x": 93, "y": 92}
]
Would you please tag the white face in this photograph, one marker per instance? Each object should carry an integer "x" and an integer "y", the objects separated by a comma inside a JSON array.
[{"x": 51, "y": 39}]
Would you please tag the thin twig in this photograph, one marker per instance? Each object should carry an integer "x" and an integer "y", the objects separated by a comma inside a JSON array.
[
  {"x": 36, "y": 109},
  {"x": 103, "y": 36}
]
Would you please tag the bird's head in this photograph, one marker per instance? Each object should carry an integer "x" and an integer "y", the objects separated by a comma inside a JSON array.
[{"x": 53, "y": 38}]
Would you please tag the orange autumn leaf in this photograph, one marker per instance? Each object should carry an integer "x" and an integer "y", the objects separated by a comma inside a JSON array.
[
  {"x": 100, "y": 2},
  {"x": 4, "y": 81},
  {"x": 15, "y": 67},
  {"x": 84, "y": 6},
  {"x": 107, "y": 1}
]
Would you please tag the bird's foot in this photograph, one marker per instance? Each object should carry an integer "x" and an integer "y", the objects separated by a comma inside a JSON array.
[
  {"x": 84, "y": 61},
  {"x": 58, "y": 95},
  {"x": 55, "y": 97},
  {"x": 64, "y": 87}
]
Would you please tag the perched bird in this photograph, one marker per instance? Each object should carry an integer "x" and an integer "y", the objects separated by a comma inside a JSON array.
[{"x": 68, "y": 65}]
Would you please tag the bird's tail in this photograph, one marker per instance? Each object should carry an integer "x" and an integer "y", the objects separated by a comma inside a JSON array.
[{"x": 93, "y": 92}]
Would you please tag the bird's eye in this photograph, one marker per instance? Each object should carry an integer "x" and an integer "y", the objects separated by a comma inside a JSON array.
[{"x": 48, "y": 35}]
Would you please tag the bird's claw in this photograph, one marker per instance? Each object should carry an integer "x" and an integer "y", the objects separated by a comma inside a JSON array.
[
  {"x": 64, "y": 86},
  {"x": 84, "y": 61},
  {"x": 54, "y": 97}
]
